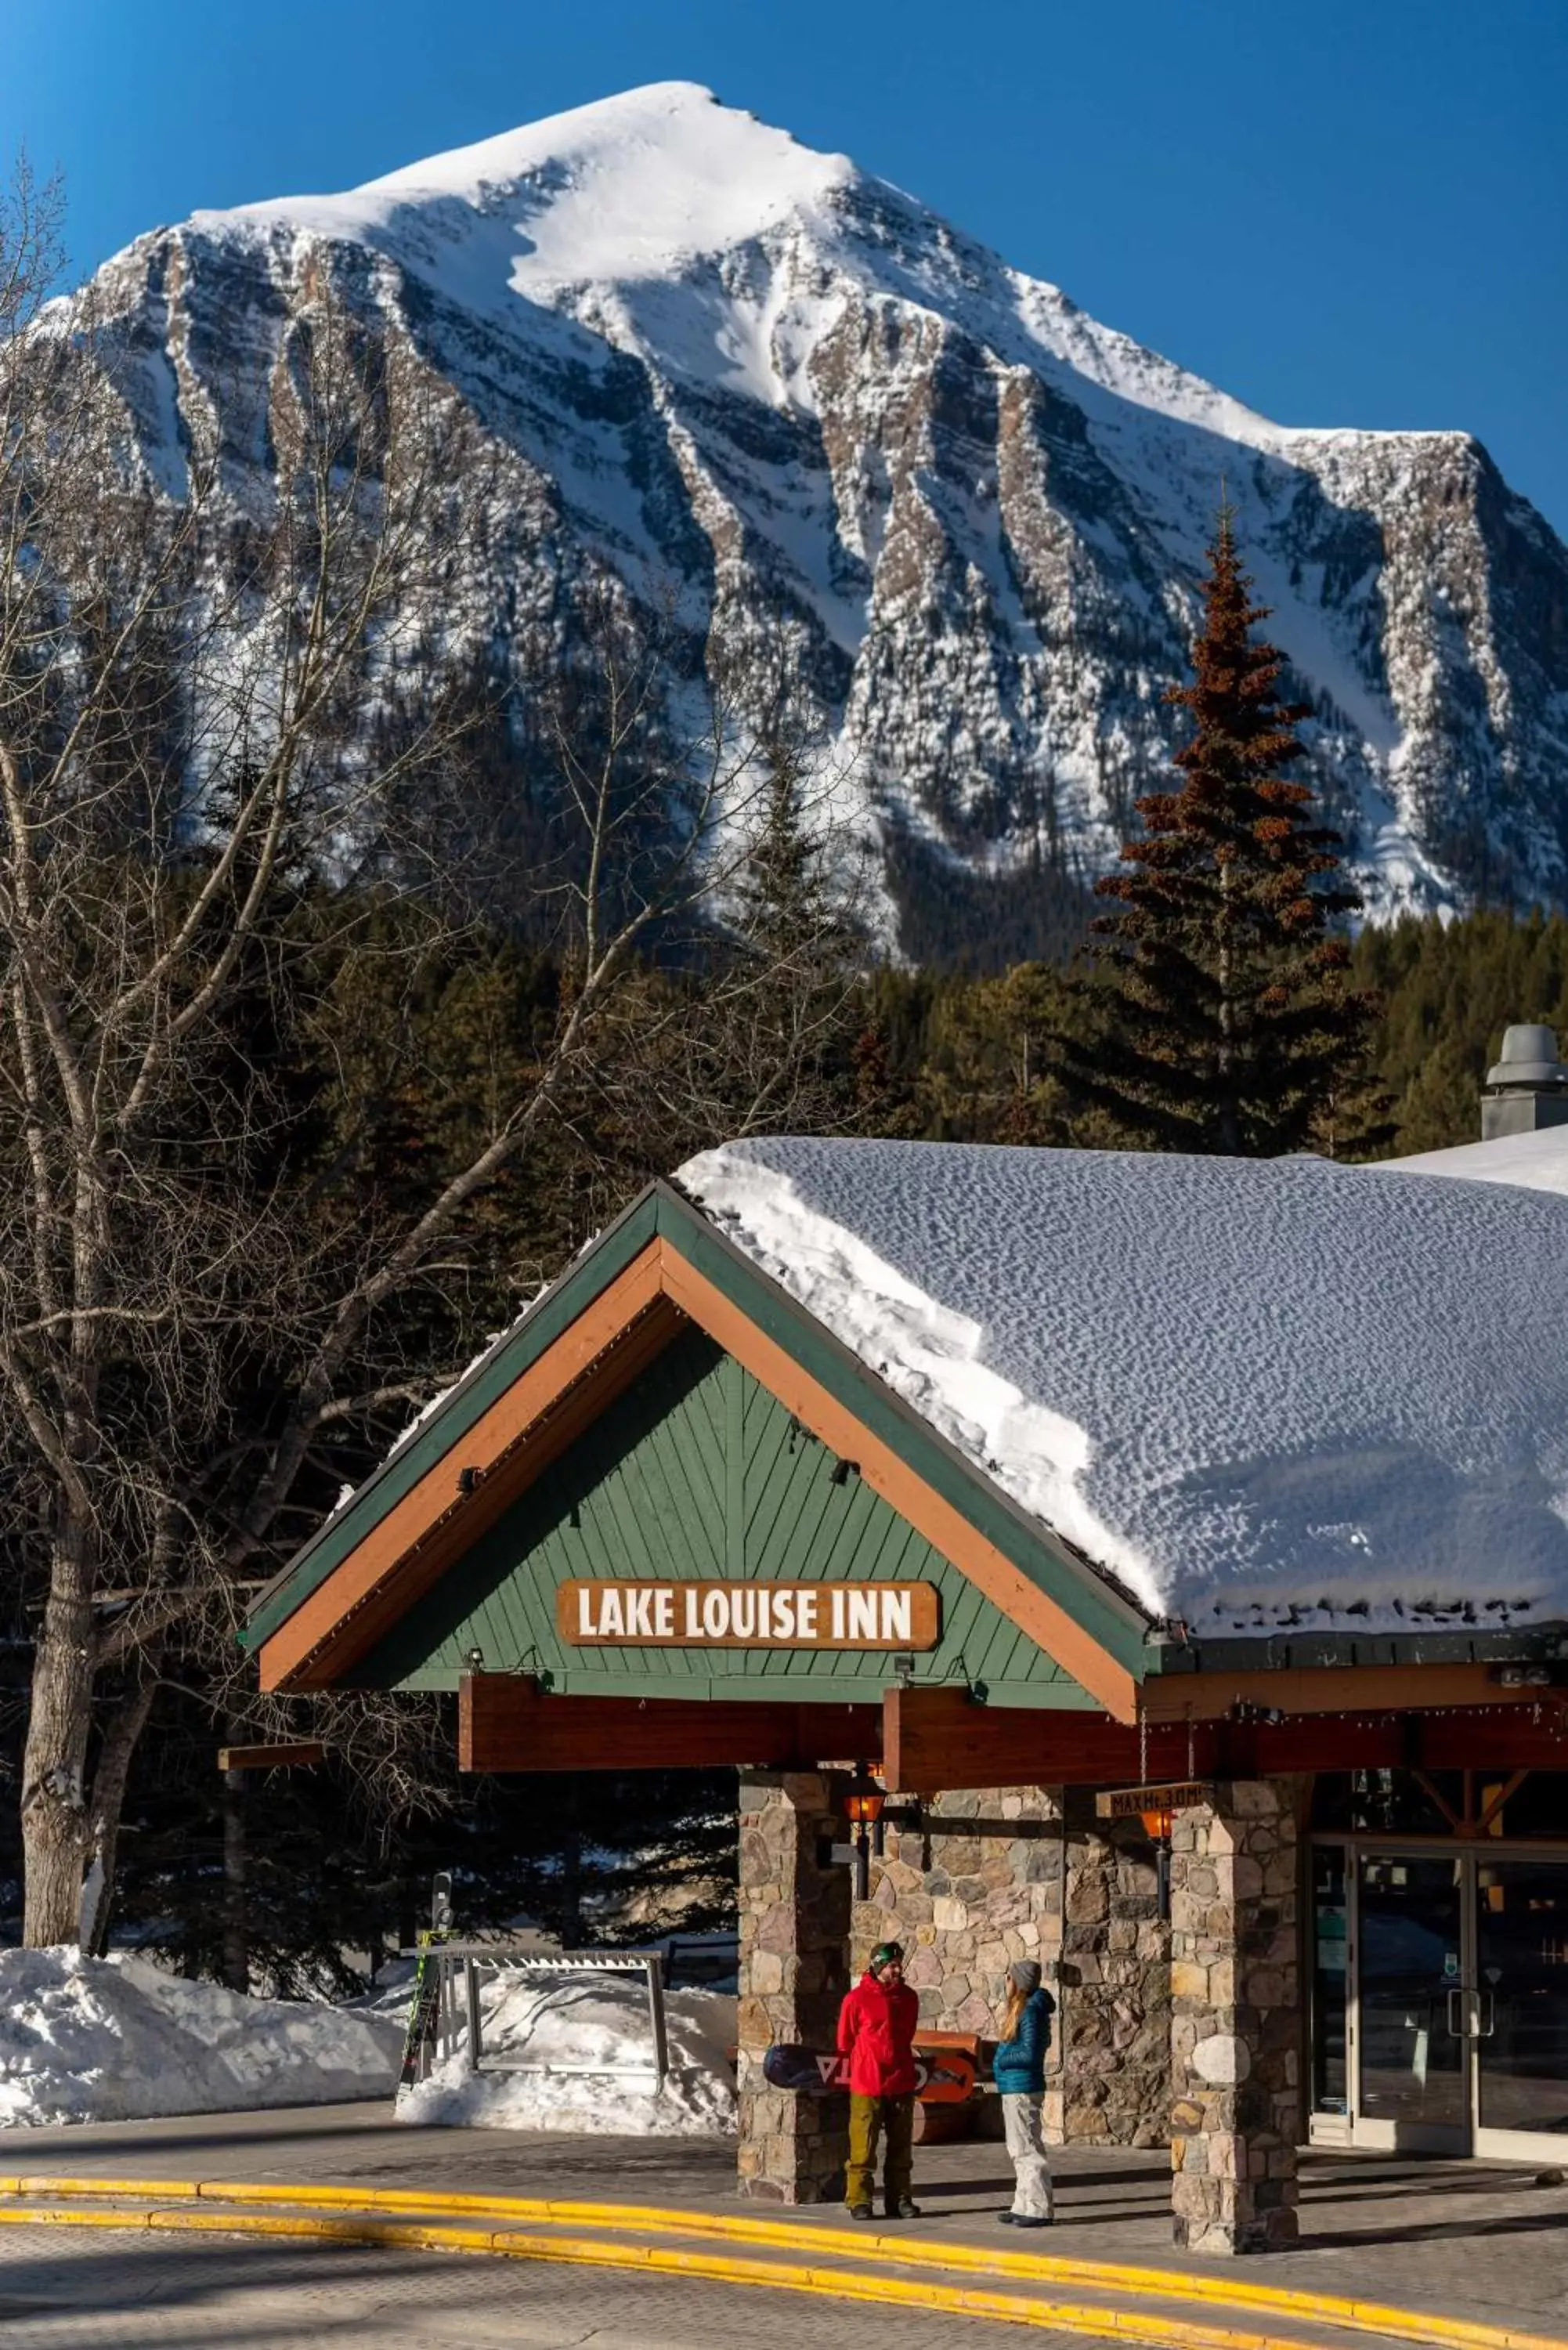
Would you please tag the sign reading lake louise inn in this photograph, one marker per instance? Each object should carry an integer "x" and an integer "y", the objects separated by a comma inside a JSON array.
[{"x": 749, "y": 1615}]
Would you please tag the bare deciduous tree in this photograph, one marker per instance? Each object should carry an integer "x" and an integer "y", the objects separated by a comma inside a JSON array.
[{"x": 213, "y": 707}]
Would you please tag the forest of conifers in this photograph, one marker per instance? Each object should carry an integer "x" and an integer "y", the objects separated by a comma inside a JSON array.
[{"x": 917, "y": 1053}]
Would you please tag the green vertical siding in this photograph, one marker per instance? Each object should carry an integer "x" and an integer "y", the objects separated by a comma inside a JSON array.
[{"x": 696, "y": 1473}]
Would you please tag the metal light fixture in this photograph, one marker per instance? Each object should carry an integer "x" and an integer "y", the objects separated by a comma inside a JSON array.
[
  {"x": 1156, "y": 1826},
  {"x": 863, "y": 1801},
  {"x": 864, "y": 1797}
]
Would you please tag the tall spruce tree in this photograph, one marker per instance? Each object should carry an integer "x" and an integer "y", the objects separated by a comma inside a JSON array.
[{"x": 1220, "y": 1011}]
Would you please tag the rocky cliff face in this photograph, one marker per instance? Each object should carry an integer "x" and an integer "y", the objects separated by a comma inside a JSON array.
[{"x": 751, "y": 379}]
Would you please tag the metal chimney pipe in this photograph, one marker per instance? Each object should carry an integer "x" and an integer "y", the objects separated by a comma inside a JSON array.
[{"x": 1528, "y": 1088}]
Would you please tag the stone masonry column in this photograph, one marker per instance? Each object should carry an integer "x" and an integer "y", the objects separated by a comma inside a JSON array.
[
  {"x": 795, "y": 1967},
  {"x": 1236, "y": 2023}
]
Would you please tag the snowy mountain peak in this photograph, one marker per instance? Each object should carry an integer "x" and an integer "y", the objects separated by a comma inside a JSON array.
[
  {"x": 774, "y": 392},
  {"x": 630, "y": 187}
]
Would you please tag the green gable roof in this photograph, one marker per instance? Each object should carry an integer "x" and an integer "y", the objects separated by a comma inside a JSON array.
[
  {"x": 1109, "y": 1617},
  {"x": 696, "y": 1471}
]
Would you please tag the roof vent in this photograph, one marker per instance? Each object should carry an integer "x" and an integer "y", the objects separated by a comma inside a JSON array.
[{"x": 1528, "y": 1088}]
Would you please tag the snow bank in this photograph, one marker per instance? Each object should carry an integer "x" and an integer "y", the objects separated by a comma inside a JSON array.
[
  {"x": 1260, "y": 1393},
  {"x": 110, "y": 2039},
  {"x": 570, "y": 2022}
]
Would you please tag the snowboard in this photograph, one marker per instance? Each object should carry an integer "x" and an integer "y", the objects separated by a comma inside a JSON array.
[{"x": 945, "y": 2077}]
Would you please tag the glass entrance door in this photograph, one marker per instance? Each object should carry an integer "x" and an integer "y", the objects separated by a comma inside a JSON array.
[
  {"x": 1521, "y": 2006},
  {"x": 1440, "y": 1999},
  {"x": 1413, "y": 2042}
]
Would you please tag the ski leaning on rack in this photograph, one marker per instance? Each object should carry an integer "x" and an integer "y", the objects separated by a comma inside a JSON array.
[{"x": 424, "y": 2012}]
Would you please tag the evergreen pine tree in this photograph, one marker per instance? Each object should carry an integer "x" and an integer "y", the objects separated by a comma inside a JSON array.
[{"x": 1218, "y": 1014}]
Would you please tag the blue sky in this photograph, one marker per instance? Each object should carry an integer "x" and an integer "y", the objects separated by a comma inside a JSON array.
[{"x": 1349, "y": 212}]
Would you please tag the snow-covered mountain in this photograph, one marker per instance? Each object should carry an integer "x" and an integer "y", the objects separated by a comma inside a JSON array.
[{"x": 756, "y": 378}]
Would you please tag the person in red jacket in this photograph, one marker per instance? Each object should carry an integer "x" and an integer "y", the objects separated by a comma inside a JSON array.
[{"x": 877, "y": 2034}]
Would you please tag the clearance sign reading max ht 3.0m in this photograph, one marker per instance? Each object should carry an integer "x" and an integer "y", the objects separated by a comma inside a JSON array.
[{"x": 749, "y": 1615}]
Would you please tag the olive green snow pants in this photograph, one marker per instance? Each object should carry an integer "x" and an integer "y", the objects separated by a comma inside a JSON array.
[{"x": 868, "y": 2118}]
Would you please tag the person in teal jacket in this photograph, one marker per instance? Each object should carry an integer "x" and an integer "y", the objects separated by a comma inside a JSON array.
[{"x": 1019, "y": 2071}]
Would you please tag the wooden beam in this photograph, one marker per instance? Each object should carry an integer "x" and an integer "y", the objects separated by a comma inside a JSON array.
[
  {"x": 1327, "y": 1689},
  {"x": 1509, "y": 1739},
  {"x": 937, "y": 1738},
  {"x": 1047, "y": 1622},
  {"x": 300, "y": 1754},
  {"x": 930, "y": 1741},
  {"x": 505, "y": 1723},
  {"x": 1482, "y": 1824}
]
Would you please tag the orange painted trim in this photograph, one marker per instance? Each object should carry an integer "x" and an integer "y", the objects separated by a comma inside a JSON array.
[
  {"x": 466, "y": 1519},
  {"x": 425, "y": 1532},
  {"x": 944, "y": 1527},
  {"x": 294, "y": 1646}
]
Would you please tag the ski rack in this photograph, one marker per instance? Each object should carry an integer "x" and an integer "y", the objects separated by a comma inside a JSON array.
[{"x": 463, "y": 2023}]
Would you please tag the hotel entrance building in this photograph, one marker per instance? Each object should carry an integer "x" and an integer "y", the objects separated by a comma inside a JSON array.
[{"x": 1181, "y": 1545}]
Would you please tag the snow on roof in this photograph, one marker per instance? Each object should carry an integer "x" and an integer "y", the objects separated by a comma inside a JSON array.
[
  {"x": 1262, "y": 1394},
  {"x": 1536, "y": 1163}
]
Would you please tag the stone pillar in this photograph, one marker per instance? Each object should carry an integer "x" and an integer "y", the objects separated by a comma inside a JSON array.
[
  {"x": 1114, "y": 1988},
  {"x": 795, "y": 1966},
  {"x": 1236, "y": 2023}
]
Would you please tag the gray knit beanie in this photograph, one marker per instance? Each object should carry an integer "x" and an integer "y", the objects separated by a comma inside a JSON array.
[{"x": 1025, "y": 1973}]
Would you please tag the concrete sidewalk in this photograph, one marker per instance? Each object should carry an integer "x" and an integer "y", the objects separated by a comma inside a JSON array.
[{"x": 1485, "y": 2242}]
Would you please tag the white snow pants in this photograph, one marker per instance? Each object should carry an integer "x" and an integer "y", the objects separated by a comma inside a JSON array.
[{"x": 1022, "y": 2117}]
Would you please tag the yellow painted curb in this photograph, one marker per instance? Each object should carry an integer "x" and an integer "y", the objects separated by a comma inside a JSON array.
[
  {"x": 903, "y": 2251},
  {"x": 838, "y": 2284}
]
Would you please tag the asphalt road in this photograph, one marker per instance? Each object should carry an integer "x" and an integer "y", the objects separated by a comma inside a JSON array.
[{"x": 60, "y": 2289}]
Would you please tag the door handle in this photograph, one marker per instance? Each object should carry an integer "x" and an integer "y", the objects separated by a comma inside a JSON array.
[
  {"x": 1456, "y": 2021},
  {"x": 1486, "y": 2029}
]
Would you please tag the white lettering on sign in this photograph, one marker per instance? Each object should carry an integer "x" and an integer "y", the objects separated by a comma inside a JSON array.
[{"x": 887, "y": 1616}]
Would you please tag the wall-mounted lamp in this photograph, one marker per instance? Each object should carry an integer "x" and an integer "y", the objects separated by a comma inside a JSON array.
[
  {"x": 863, "y": 1801},
  {"x": 1156, "y": 1825}
]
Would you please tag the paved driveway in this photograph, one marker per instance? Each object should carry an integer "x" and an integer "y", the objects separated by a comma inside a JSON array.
[
  {"x": 78, "y": 2292},
  {"x": 1483, "y": 2241}
]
